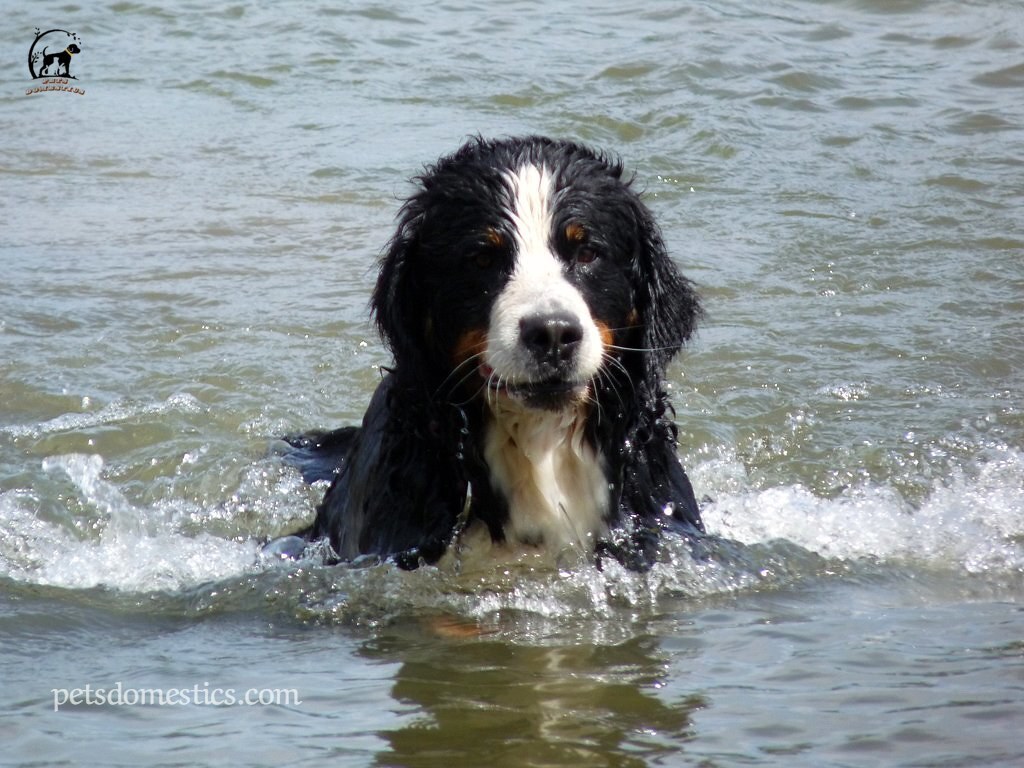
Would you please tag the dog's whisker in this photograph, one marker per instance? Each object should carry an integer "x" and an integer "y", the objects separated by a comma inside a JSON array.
[
  {"x": 610, "y": 359},
  {"x": 606, "y": 375},
  {"x": 495, "y": 384},
  {"x": 671, "y": 348},
  {"x": 471, "y": 362},
  {"x": 475, "y": 394},
  {"x": 592, "y": 398},
  {"x": 614, "y": 389},
  {"x": 463, "y": 380}
]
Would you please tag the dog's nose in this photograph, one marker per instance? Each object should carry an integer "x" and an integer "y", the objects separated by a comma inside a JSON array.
[{"x": 551, "y": 338}]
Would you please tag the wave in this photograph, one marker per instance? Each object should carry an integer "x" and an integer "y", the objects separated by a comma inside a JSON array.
[
  {"x": 113, "y": 413},
  {"x": 972, "y": 520},
  {"x": 208, "y": 557}
]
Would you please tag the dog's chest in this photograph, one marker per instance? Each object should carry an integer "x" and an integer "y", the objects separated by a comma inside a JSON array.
[{"x": 553, "y": 481}]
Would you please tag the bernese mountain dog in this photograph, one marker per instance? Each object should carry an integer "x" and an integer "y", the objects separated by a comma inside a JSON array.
[{"x": 532, "y": 309}]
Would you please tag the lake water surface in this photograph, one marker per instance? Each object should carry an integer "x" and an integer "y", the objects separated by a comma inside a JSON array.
[{"x": 186, "y": 254}]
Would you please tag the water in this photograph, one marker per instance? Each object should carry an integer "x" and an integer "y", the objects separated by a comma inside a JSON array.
[{"x": 186, "y": 252}]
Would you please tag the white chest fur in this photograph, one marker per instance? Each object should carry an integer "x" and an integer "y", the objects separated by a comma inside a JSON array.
[{"x": 553, "y": 480}]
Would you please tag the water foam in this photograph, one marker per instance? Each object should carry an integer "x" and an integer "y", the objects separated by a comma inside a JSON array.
[
  {"x": 972, "y": 520},
  {"x": 125, "y": 547}
]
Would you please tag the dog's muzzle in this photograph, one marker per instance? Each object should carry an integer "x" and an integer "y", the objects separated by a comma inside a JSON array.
[{"x": 549, "y": 345}]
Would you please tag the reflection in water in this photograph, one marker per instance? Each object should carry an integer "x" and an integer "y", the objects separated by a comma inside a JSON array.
[{"x": 493, "y": 703}]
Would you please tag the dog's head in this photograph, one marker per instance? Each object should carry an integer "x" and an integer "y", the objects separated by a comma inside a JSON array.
[
  {"x": 528, "y": 269},
  {"x": 73, "y": 49}
]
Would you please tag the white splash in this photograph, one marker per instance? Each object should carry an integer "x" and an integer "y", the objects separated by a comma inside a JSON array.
[
  {"x": 125, "y": 547},
  {"x": 970, "y": 523},
  {"x": 972, "y": 520}
]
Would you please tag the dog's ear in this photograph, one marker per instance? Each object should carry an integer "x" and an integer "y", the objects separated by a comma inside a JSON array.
[
  {"x": 396, "y": 302},
  {"x": 667, "y": 302}
]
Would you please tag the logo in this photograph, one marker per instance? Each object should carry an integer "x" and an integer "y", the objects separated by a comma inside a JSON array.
[{"x": 50, "y": 59}]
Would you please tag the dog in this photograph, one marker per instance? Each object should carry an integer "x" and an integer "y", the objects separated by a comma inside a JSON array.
[
  {"x": 63, "y": 59},
  {"x": 531, "y": 309}
]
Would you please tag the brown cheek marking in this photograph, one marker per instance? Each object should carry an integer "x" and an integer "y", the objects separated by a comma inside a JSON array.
[
  {"x": 470, "y": 343},
  {"x": 607, "y": 336}
]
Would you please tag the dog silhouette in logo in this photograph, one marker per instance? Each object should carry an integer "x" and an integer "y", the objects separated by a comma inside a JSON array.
[{"x": 63, "y": 59}]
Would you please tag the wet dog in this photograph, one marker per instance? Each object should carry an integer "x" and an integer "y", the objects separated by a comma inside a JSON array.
[{"x": 532, "y": 309}]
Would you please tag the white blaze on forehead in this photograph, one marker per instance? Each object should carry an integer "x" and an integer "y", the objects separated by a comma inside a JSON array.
[
  {"x": 532, "y": 191},
  {"x": 538, "y": 284}
]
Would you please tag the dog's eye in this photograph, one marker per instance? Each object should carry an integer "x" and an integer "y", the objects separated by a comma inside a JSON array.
[
  {"x": 585, "y": 254},
  {"x": 490, "y": 250},
  {"x": 578, "y": 241}
]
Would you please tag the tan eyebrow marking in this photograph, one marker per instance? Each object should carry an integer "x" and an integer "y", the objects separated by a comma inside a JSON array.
[
  {"x": 495, "y": 238},
  {"x": 575, "y": 233}
]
